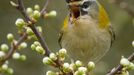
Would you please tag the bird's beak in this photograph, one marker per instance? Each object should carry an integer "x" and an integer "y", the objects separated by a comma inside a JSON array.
[{"x": 74, "y": 8}]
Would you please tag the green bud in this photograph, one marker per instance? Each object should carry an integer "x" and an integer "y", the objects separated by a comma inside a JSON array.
[
  {"x": 125, "y": 62},
  {"x": 20, "y": 23},
  {"x": 10, "y": 36},
  {"x": 33, "y": 47},
  {"x": 16, "y": 56},
  {"x": 36, "y": 43},
  {"x": 51, "y": 14},
  {"x": 36, "y": 7},
  {"x": 82, "y": 70},
  {"x": 10, "y": 71},
  {"x": 29, "y": 31},
  {"x": 78, "y": 63},
  {"x": 66, "y": 67},
  {"x": 23, "y": 45},
  {"x": 2, "y": 54},
  {"x": 131, "y": 66},
  {"x": 4, "y": 47},
  {"x": 39, "y": 28},
  {"x": 23, "y": 57},
  {"x": 36, "y": 14},
  {"x": 73, "y": 66},
  {"x": 4, "y": 67},
  {"x": 133, "y": 43},
  {"x": 47, "y": 61},
  {"x": 29, "y": 11},
  {"x": 50, "y": 73},
  {"x": 91, "y": 65},
  {"x": 53, "y": 56},
  {"x": 62, "y": 52},
  {"x": 40, "y": 50}
]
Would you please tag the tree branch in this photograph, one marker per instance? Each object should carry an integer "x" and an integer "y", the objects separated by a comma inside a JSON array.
[{"x": 120, "y": 67}]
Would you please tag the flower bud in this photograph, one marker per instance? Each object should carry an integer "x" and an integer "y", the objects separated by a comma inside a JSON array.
[
  {"x": 20, "y": 23},
  {"x": 16, "y": 56},
  {"x": 91, "y": 65},
  {"x": 4, "y": 67},
  {"x": 36, "y": 43},
  {"x": 39, "y": 28},
  {"x": 40, "y": 50},
  {"x": 36, "y": 7},
  {"x": 78, "y": 63},
  {"x": 66, "y": 67},
  {"x": 133, "y": 43},
  {"x": 131, "y": 66},
  {"x": 51, "y": 14},
  {"x": 47, "y": 61},
  {"x": 2, "y": 54},
  {"x": 50, "y": 73},
  {"x": 124, "y": 61},
  {"x": 53, "y": 56},
  {"x": 10, "y": 36},
  {"x": 23, "y": 57},
  {"x": 29, "y": 11},
  {"x": 29, "y": 31},
  {"x": 23, "y": 45},
  {"x": 36, "y": 14},
  {"x": 33, "y": 47},
  {"x": 62, "y": 52},
  {"x": 4, "y": 47},
  {"x": 10, "y": 71},
  {"x": 82, "y": 70}
]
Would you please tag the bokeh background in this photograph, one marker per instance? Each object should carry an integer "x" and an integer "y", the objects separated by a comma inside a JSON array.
[{"x": 121, "y": 21}]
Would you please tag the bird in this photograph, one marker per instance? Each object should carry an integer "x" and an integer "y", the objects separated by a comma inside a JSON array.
[{"x": 87, "y": 32}]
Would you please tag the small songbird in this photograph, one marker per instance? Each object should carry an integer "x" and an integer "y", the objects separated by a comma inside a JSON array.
[{"x": 87, "y": 33}]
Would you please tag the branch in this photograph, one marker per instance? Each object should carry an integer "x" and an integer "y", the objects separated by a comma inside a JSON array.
[
  {"x": 13, "y": 48},
  {"x": 120, "y": 67},
  {"x": 31, "y": 23}
]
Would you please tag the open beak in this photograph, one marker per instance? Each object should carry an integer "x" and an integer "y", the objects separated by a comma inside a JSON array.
[{"x": 74, "y": 9}]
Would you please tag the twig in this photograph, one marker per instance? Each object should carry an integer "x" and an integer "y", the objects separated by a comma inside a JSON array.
[
  {"x": 13, "y": 48},
  {"x": 32, "y": 26},
  {"x": 119, "y": 67},
  {"x": 43, "y": 11}
]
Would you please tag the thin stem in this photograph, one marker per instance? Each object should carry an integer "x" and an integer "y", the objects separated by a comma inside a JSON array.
[
  {"x": 13, "y": 48},
  {"x": 43, "y": 11},
  {"x": 119, "y": 67}
]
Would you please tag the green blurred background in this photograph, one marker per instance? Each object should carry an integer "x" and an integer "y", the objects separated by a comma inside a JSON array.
[{"x": 121, "y": 20}]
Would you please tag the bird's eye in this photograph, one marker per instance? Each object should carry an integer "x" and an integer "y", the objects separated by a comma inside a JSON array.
[{"x": 86, "y": 4}]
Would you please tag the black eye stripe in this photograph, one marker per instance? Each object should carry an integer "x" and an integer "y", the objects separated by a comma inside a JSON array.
[{"x": 86, "y": 4}]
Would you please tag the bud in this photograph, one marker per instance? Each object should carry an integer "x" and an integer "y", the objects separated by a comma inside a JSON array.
[
  {"x": 53, "y": 56},
  {"x": 10, "y": 71},
  {"x": 2, "y": 54},
  {"x": 47, "y": 61},
  {"x": 82, "y": 70},
  {"x": 29, "y": 31},
  {"x": 62, "y": 52},
  {"x": 4, "y": 67},
  {"x": 91, "y": 66},
  {"x": 39, "y": 28},
  {"x": 78, "y": 63},
  {"x": 23, "y": 57},
  {"x": 131, "y": 66},
  {"x": 23, "y": 45},
  {"x": 124, "y": 61},
  {"x": 36, "y": 14},
  {"x": 20, "y": 23},
  {"x": 16, "y": 56},
  {"x": 51, "y": 14},
  {"x": 40, "y": 50},
  {"x": 29, "y": 11},
  {"x": 36, "y": 7},
  {"x": 33, "y": 47},
  {"x": 133, "y": 43},
  {"x": 73, "y": 66},
  {"x": 66, "y": 67},
  {"x": 10, "y": 36},
  {"x": 36, "y": 43},
  {"x": 50, "y": 73},
  {"x": 4, "y": 47}
]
